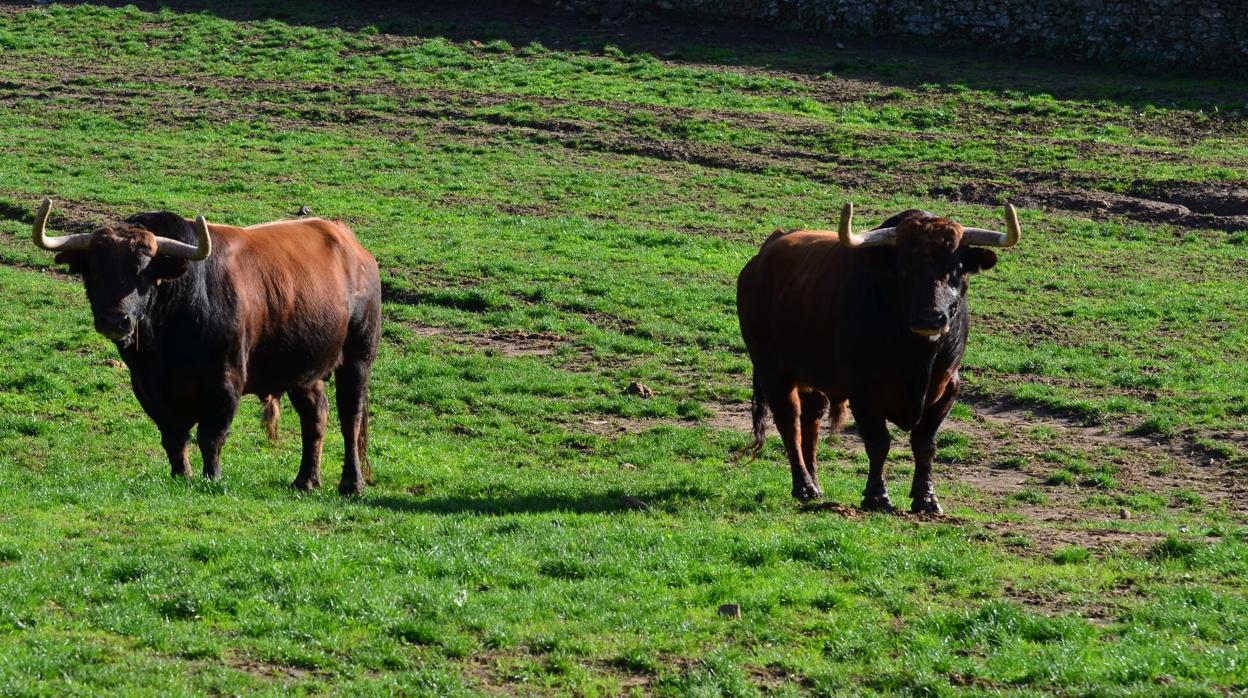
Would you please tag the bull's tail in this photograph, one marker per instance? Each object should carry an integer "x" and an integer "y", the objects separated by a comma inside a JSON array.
[
  {"x": 758, "y": 417},
  {"x": 366, "y": 464},
  {"x": 270, "y": 415},
  {"x": 837, "y": 413}
]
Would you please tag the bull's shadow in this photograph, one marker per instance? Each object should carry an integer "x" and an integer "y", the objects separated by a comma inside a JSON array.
[
  {"x": 519, "y": 503},
  {"x": 906, "y": 64}
]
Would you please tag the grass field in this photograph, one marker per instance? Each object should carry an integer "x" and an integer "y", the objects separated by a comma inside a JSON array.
[{"x": 559, "y": 212}]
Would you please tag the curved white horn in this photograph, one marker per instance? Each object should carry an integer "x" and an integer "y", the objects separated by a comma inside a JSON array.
[
  {"x": 873, "y": 238},
  {"x": 66, "y": 243},
  {"x": 992, "y": 238},
  {"x": 194, "y": 253}
]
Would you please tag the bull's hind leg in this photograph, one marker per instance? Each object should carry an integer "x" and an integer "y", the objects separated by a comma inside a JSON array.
[
  {"x": 352, "y": 392},
  {"x": 814, "y": 409},
  {"x": 313, "y": 409},
  {"x": 874, "y": 432},
  {"x": 923, "y": 443},
  {"x": 786, "y": 409},
  {"x": 352, "y": 401}
]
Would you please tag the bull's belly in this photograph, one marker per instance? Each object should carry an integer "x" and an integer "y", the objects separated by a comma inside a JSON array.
[
  {"x": 273, "y": 372},
  {"x": 892, "y": 400}
]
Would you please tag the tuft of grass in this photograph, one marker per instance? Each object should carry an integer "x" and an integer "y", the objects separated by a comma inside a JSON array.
[
  {"x": 1071, "y": 555},
  {"x": 1172, "y": 548},
  {"x": 1061, "y": 476},
  {"x": 1028, "y": 497}
]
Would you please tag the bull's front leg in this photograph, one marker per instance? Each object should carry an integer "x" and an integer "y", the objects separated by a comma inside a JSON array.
[
  {"x": 174, "y": 440},
  {"x": 874, "y": 432},
  {"x": 175, "y": 429},
  {"x": 214, "y": 427},
  {"x": 923, "y": 443}
]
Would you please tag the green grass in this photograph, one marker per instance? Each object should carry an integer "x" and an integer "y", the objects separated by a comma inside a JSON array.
[{"x": 553, "y": 224}]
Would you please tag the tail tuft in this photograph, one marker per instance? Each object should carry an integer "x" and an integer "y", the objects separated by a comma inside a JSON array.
[
  {"x": 270, "y": 415},
  {"x": 758, "y": 416}
]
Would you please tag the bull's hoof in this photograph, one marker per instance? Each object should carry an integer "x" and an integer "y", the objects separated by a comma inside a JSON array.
[
  {"x": 212, "y": 475},
  {"x": 180, "y": 474},
  {"x": 350, "y": 489},
  {"x": 926, "y": 505},
  {"x": 305, "y": 484},
  {"x": 805, "y": 493},
  {"x": 881, "y": 503}
]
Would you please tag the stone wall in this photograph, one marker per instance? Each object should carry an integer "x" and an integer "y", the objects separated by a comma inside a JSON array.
[{"x": 1177, "y": 33}]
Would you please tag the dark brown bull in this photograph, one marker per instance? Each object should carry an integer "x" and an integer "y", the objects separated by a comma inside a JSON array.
[
  {"x": 878, "y": 321},
  {"x": 204, "y": 314}
]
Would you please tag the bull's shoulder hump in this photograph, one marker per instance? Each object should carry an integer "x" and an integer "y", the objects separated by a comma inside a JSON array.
[
  {"x": 296, "y": 225},
  {"x": 807, "y": 240},
  {"x": 815, "y": 235},
  {"x": 800, "y": 236}
]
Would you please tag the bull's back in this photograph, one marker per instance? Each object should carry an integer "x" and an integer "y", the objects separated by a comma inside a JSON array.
[{"x": 300, "y": 285}]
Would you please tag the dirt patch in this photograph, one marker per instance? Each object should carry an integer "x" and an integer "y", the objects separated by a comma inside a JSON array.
[
  {"x": 1044, "y": 540},
  {"x": 835, "y": 508},
  {"x": 1210, "y": 198},
  {"x": 1096, "y": 203},
  {"x": 1101, "y": 612},
  {"x": 504, "y": 672},
  {"x": 1016, "y": 418},
  {"x": 510, "y": 344},
  {"x": 67, "y": 216},
  {"x": 1048, "y": 469},
  {"x": 732, "y": 416},
  {"x": 266, "y": 669},
  {"x": 1013, "y": 452},
  {"x": 612, "y": 426}
]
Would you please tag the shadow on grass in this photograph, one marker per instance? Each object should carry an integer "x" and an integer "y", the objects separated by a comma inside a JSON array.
[
  {"x": 732, "y": 42},
  {"x": 667, "y": 498}
]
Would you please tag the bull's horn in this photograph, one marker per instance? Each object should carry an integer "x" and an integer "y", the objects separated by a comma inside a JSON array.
[
  {"x": 194, "y": 253},
  {"x": 64, "y": 243},
  {"x": 872, "y": 238},
  {"x": 992, "y": 238}
]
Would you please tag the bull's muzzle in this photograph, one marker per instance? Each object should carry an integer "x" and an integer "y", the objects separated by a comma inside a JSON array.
[
  {"x": 116, "y": 326},
  {"x": 933, "y": 325}
]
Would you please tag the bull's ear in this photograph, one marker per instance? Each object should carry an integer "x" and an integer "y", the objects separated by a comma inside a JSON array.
[
  {"x": 977, "y": 259},
  {"x": 164, "y": 267},
  {"x": 77, "y": 261}
]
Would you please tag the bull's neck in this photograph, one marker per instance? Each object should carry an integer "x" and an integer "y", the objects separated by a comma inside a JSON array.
[{"x": 175, "y": 319}]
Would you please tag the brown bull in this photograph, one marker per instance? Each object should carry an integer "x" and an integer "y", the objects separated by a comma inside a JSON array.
[
  {"x": 877, "y": 321},
  {"x": 204, "y": 314}
]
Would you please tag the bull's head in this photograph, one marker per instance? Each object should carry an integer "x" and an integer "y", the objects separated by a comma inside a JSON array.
[
  {"x": 932, "y": 259},
  {"x": 120, "y": 267}
]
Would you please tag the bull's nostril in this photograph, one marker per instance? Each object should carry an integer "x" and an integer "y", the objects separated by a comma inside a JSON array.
[{"x": 931, "y": 318}]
